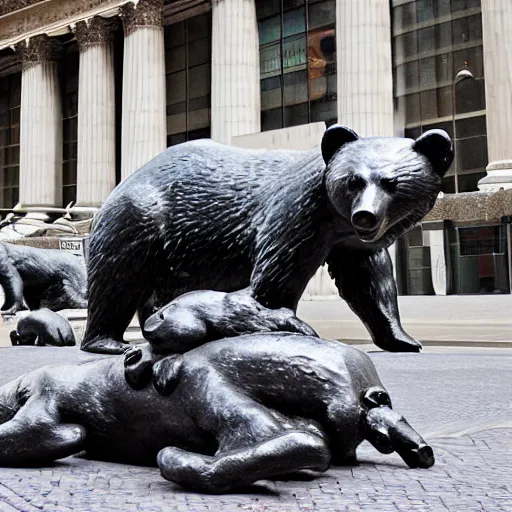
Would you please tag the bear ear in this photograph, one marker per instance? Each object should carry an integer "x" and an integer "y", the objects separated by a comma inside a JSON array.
[
  {"x": 437, "y": 146},
  {"x": 334, "y": 137}
]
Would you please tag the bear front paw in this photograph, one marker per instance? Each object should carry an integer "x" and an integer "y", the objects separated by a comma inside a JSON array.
[{"x": 398, "y": 342}]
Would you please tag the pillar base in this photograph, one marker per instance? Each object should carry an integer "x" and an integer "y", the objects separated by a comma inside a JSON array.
[{"x": 499, "y": 177}]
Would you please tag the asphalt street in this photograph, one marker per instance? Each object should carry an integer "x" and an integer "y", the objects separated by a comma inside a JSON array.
[{"x": 459, "y": 399}]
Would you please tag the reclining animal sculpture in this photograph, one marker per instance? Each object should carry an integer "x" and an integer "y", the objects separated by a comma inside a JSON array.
[
  {"x": 42, "y": 278},
  {"x": 222, "y": 416},
  {"x": 43, "y": 327}
]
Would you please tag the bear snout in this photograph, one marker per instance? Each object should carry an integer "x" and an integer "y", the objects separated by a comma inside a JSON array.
[
  {"x": 152, "y": 326},
  {"x": 364, "y": 221},
  {"x": 369, "y": 212}
]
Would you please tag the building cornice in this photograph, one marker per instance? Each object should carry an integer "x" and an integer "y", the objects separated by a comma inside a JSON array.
[
  {"x": 9, "y": 6},
  {"x": 23, "y": 19},
  {"x": 472, "y": 206},
  {"x": 52, "y": 17}
]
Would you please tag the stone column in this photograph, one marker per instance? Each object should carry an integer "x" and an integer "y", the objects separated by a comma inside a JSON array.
[
  {"x": 235, "y": 70},
  {"x": 40, "y": 124},
  {"x": 365, "y": 75},
  {"x": 435, "y": 231},
  {"x": 144, "y": 131},
  {"x": 496, "y": 26},
  {"x": 96, "y": 157}
]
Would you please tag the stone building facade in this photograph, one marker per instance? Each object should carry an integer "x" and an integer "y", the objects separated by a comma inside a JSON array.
[{"x": 92, "y": 89}]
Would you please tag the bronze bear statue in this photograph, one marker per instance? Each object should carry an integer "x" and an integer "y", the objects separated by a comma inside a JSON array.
[
  {"x": 226, "y": 414},
  {"x": 203, "y": 215}
]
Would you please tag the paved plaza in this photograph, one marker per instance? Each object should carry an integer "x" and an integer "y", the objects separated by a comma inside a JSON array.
[
  {"x": 467, "y": 320},
  {"x": 459, "y": 399}
]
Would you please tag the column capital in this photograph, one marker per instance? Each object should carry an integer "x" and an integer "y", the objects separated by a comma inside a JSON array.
[
  {"x": 144, "y": 13},
  {"x": 37, "y": 50},
  {"x": 96, "y": 31}
]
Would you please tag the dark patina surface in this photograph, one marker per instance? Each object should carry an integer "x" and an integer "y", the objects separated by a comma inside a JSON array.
[{"x": 207, "y": 216}]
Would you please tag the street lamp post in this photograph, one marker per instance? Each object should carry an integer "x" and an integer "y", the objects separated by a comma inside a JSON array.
[{"x": 463, "y": 74}]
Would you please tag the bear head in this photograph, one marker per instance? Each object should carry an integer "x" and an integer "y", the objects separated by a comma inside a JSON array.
[
  {"x": 178, "y": 325},
  {"x": 384, "y": 186}
]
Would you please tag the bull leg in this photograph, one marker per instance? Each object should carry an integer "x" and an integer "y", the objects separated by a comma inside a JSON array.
[
  {"x": 389, "y": 431},
  {"x": 138, "y": 365},
  {"x": 287, "y": 453},
  {"x": 33, "y": 437}
]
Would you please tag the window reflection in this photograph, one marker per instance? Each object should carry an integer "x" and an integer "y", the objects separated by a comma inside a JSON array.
[
  {"x": 433, "y": 41},
  {"x": 297, "y": 63},
  {"x": 480, "y": 260}
]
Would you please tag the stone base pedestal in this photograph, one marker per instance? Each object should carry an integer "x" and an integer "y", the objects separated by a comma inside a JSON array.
[{"x": 499, "y": 177}]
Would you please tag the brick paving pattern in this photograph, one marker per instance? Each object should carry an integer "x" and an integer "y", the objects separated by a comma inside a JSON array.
[{"x": 460, "y": 401}]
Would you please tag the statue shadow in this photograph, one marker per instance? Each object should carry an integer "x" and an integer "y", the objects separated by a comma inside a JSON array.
[{"x": 259, "y": 489}]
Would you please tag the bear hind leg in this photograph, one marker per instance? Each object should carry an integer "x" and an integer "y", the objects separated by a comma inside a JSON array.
[
  {"x": 284, "y": 454},
  {"x": 109, "y": 316},
  {"x": 12, "y": 284},
  {"x": 117, "y": 287}
]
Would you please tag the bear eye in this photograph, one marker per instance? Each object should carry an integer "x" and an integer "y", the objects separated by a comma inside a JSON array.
[
  {"x": 22, "y": 397},
  {"x": 355, "y": 183},
  {"x": 389, "y": 184}
]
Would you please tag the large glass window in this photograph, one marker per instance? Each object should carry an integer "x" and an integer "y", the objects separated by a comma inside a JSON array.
[
  {"x": 479, "y": 257},
  {"x": 188, "y": 80},
  {"x": 10, "y": 98},
  {"x": 69, "y": 84},
  {"x": 433, "y": 41},
  {"x": 297, "y": 61}
]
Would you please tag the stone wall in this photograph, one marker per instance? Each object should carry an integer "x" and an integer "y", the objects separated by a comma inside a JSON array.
[
  {"x": 8, "y": 6},
  {"x": 40, "y": 242}
]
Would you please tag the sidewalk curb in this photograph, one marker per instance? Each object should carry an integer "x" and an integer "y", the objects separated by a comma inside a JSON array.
[{"x": 440, "y": 343}]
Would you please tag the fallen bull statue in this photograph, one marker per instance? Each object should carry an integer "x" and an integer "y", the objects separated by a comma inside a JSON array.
[{"x": 217, "y": 418}]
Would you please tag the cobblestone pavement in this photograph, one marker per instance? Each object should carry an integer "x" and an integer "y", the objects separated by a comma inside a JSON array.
[{"x": 460, "y": 400}]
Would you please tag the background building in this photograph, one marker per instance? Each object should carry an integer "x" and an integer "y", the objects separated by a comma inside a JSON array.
[{"x": 91, "y": 90}]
